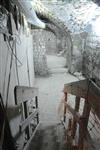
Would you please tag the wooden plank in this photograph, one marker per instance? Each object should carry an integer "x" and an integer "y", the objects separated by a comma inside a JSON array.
[
  {"x": 75, "y": 114},
  {"x": 74, "y": 126},
  {"x": 94, "y": 98},
  {"x": 36, "y": 101},
  {"x": 86, "y": 113},
  {"x": 23, "y": 93},
  {"x": 65, "y": 107},
  {"x": 78, "y": 88},
  {"x": 83, "y": 124},
  {"x": 81, "y": 134},
  {"x": 27, "y": 121},
  {"x": 86, "y": 89},
  {"x": 78, "y": 119},
  {"x": 88, "y": 142},
  {"x": 27, "y": 131}
]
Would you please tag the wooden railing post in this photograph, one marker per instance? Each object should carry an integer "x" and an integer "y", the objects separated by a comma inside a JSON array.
[
  {"x": 36, "y": 101},
  {"x": 86, "y": 112},
  {"x": 27, "y": 130},
  {"x": 83, "y": 124},
  {"x": 74, "y": 126},
  {"x": 81, "y": 134},
  {"x": 65, "y": 107}
]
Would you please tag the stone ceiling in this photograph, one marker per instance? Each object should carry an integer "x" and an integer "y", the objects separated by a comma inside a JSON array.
[{"x": 78, "y": 17}]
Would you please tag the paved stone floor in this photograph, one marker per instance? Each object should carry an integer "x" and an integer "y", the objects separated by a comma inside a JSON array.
[
  {"x": 50, "y": 135},
  {"x": 50, "y": 89}
]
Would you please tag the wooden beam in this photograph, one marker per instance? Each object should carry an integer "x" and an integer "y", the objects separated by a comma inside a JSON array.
[
  {"x": 65, "y": 94},
  {"x": 75, "y": 114},
  {"x": 27, "y": 121},
  {"x": 94, "y": 98},
  {"x": 29, "y": 141},
  {"x": 74, "y": 126},
  {"x": 78, "y": 88},
  {"x": 84, "y": 89},
  {"x": 37, "y": 115},
  {"x": 81, "y": 134},
  {"x": 86, "y": 113},
  {"x": 83, "y": 124},
  {"x": 23, "y": 93},
  {"x": 27, "y": 129}
]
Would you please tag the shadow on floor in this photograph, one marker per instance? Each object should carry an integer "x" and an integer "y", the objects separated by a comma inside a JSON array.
[{"x": 49, "y": 138}]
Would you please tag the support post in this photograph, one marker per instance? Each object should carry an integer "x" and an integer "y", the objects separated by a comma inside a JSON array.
[
  {"x": 86, "y": 112},
  {"x": 36, "y": 101},
  {"x": 74, "y": 126},
  {"x": 26, "y": 115},
  {"x": 81, "y": 134},
  {"x": 83, "y": 124},
  {"x": 65, "y": 107}
]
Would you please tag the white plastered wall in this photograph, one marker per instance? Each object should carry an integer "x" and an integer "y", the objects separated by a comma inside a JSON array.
[{"x": 24, "y": 49}]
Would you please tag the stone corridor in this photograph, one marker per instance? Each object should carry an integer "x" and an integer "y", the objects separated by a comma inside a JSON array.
[{"x": 50, "y": 135}]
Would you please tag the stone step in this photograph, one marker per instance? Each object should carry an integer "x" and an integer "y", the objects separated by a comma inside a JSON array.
[{"x": 49, "y": 138}]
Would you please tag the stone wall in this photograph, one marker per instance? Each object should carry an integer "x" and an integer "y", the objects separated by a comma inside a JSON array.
[
  {"x": 86, "y": 56},
  {"x": 91, "y": 58},
  {"x": 50, "y": 42},
  {"x": 40, "y": 60},
  {"x": 76, "y": 55},
  {"x": 46, "y": 43}
]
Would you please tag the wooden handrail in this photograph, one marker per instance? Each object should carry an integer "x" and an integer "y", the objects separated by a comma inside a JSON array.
[
  {"x": 78, "y": 88},
  {"x": 24, "y": 93},
  {"x": 88, "y": 90}
]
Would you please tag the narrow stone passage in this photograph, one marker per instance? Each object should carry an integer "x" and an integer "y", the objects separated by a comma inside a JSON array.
[
  {"x": 50, "y": 89},
  {"x": 50, "y": 135}
]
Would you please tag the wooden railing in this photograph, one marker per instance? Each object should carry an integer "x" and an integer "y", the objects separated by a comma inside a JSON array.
[
  {"x": 29, "y": 119},
  {"x": 88, "y": 91}
]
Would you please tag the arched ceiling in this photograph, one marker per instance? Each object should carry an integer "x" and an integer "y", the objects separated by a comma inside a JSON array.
[{"x": 51, "y": 20}]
